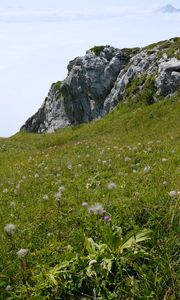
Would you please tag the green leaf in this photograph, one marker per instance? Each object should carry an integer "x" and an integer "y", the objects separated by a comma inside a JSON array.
[
  {"x": 52, "y": 279},
  {"x": 130, "y": 241},
  {"x": 107, "y": 264},
  {"x": 90, "y": 245}
]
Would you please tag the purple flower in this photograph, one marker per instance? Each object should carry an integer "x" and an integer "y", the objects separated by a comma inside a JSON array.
[
  {"x": 84, "y": 204},
  {"x": 107, "y": 218},
  {"x": 96, "y": 209}
]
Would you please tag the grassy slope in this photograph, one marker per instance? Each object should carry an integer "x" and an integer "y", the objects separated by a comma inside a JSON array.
[{"x": 32, "y": 166}]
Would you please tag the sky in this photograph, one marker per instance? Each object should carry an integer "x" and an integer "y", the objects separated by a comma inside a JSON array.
[{"x": 39, "y": 37}]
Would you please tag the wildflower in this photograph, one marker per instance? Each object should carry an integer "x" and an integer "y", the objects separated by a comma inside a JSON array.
[
  {"x": 165, "y": 183},
  {"x": 84, "y": 204},
  {"x": 92, "y": 262},
  {"x": 49, "y": 234},
  {"x": 8, "y": 288},
  {"x": 88, "y": 185},
  {"x": 45, "y": 197},
  {"x": 12, "y": 204},
  {"x": 112, "y": 186},
  {"x": 127, "y": 159},
  {"x": 172, "y": 193},
  {"x": 5, "y": 191},
  {"x": 146, "y": 169},
  {"x": 107, "y": 218},
  {"x": 69, "y": 166},
  {"x": 10, "y": 229},
  {"x": 22, "y": 253},
  {"x": 61, "y": 189},
  {"x": 164, "y": 159},
  {"x": 58, "y": 195},
  {"x": 96, "y": 209},
  {"x": 36, "y": 175},
  {"x": 17, "y": 186}
]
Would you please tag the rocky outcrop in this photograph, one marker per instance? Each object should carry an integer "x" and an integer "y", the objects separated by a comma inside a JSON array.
[
  {"x": 168, "y": 79},
  {"x": 97, "y": 81}
]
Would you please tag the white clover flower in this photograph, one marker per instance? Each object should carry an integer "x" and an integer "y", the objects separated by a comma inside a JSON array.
[
  {"x": 112, "y": 186},
  {"x": 22, "y": 253},
  {"x": 96, "y": 209},
  {"x": 172, "y": 193},
  {"x": 165, "y": 183},
  {"x": 10, "y": 229},
  {"x": 92, "y": 262},
  {"x": 45, "y": 197},
  {"x": 5, "y": 191},
  {"x": 36, "y": 175},
  {"x": 146, "y": 169}
]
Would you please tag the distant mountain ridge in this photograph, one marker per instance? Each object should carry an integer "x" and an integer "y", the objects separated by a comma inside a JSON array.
[
  {"x": 102, "y": 78},
  {"x": 168, "y": 9}
]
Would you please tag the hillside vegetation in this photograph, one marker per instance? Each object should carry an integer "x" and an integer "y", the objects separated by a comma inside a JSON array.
[{"x": 94, "y": 209}]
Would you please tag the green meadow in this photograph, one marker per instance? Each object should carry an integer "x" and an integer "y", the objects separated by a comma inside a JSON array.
[{"x": 92, "y": 211}]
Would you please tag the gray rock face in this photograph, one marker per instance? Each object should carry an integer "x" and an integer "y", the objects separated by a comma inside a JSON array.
[
  {"x": 96, "y": 83},
  {"x": 168, "y": 79}
]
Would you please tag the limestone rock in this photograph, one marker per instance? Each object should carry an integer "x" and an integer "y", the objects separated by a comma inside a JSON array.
[
  {"x": 102, "y": 78},
  {"x": 168, "y": 79}
]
